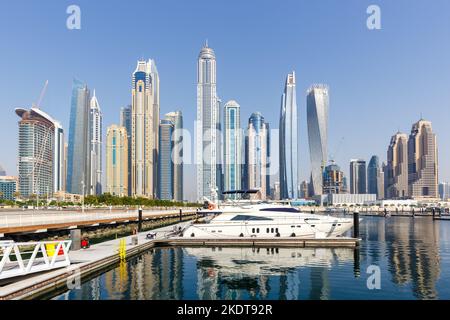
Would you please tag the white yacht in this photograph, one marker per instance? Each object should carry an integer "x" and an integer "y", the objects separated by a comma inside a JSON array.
[{"x": 264, "y": 220}]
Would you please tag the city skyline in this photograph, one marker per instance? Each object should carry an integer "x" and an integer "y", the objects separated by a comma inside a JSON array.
[{"x": 403, "y": 109}]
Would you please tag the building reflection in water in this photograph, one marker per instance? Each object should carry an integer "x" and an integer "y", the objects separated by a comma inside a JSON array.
[{"x": 413, "y": 253}]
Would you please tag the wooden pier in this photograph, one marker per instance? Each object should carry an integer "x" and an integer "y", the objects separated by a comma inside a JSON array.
[{"x": 341, "y": 242}]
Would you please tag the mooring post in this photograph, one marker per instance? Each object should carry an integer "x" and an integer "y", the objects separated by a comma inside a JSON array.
[
  {"x": 140, "y": 220},
  {"x": 434, "y": 213},
  {"x": 356, "y": 224},
  {"x": 181, "y": 215},
  {"x": 75, "y": 236}
]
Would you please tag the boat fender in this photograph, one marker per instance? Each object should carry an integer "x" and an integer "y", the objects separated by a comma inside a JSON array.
[
  {"x": 277, "y": 235},
  {"x": 192, "y": 235},
  {"x": 241, "y": 235},
  {"x": 293, "y": 235}
]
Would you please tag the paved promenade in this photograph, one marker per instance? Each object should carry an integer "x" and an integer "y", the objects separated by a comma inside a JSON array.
[{"x": 33, "y": 220}]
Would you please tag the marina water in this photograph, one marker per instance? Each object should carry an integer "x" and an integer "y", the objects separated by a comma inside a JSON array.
[{"x": 412, "y": 254}]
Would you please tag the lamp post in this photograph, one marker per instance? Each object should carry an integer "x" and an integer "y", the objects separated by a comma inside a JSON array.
[{"x": 82, "y": 199}]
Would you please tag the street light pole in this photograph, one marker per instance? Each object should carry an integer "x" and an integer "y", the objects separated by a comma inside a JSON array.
[{"x": 82, "y": 199}]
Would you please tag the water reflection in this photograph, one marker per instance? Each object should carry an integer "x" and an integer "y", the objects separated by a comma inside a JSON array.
[
  {"x": 230, "y": 272},
  {"x": 410, "y": 253}
]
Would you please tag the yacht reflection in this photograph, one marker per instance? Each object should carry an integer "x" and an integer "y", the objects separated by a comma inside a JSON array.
[{"x": 225, "y": 272}]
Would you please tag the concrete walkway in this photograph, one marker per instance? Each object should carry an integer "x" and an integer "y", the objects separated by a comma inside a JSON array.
[{"x": 84, "y": 262}]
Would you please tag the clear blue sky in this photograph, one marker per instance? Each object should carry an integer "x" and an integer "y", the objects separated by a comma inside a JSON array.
[{"x": 380, "y": 81}]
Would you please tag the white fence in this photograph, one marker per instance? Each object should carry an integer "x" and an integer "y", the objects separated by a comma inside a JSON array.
[{"x": 19, "y": 259}]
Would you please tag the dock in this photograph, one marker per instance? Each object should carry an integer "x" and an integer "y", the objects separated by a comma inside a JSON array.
[{"x": 342, "y": 242}]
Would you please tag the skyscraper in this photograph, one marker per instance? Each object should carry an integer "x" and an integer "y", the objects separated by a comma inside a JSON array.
[
  {"x": 78, "y": 161},
  {"x": 232, "y": 146},
  {"x": 444, "y": 191},
  {"x": 317, "y": 105},
  {"x": 207, "y": 126},
  {"x": 36, "y": 154},
  {"x": 65, "y": 158},
  {"x": 177, "y": 139},
  {"x": 166, "y": 165},
  {"x": 358, "y": 176},
  {"x": 380, "y": 182},
  {"x": 95, "y": 139},
  {"x": 288, "y": 141},
  {"x": 256, "y": 154},
  {"x": 333, "y": 179},
  {"x": 145, "y": 129},
  {"x": 422, "y": 161},
  {"x": 396, "y": 181},
  {"x": 2, "y": 171},
  {"x": 373, "y": 174},
  {"x": 125, "y": 121},
  {"x": 58, "y": 157},
  {"x": 117, "y": 160}
]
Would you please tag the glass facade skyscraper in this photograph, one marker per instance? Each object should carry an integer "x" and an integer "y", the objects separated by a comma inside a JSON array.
[
  {"x": 208, "y": 149},
  {"x": 358, "y": 182},
  {"x": 289, "y": 141},
  {"x": 177, "y": 137},
  {"x": 317, "y": 104},
  {"x": 232, "y": 146},
  {"x": 373, "y": 173},
  {"x": 166, "y": 165},
  {"x": 145, "y": 129},
  {"x": 78, "y": 162}
]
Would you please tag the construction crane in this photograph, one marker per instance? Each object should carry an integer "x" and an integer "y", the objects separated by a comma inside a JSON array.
[
  {"x": 41, "y": 96},
  {"x": 332, "y": 156}
]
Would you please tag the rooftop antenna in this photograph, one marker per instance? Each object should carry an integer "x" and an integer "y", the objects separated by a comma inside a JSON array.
[
  {"x": 206, "y": 43},
  {"x": 41, "y": 96}
]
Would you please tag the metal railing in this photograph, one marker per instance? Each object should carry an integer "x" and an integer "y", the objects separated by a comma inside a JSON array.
[
  {"x": 22, "y": 258},
  {"x": 48, "y": 217}
]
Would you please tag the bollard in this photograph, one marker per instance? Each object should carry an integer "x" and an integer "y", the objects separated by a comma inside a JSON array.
[
  {"x": 181, "y": 215},
  {"x": 140, "y": 220},
  {"x": 356, "y": 224},
  {"x": 434, "y": 213},
  {"x": 75, "y": 236}
]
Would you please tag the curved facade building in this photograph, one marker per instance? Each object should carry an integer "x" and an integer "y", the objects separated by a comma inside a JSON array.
[
  {"x": 232, "y": 146},
  {"x": 41, "y": 147},
  {"x": 317, "y": 105},
  {"x": 207, "y": 127},
  {"x": 288, "y": 141}
]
